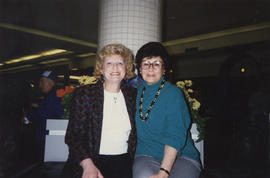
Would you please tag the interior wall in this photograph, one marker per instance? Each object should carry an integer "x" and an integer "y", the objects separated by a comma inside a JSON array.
[{"x": 238, "y": 103}]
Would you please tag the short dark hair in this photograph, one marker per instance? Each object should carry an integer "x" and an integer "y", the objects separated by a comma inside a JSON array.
[{"x": 153, "y": 49}]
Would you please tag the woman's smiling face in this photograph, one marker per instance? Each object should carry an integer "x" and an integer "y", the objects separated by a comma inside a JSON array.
[
  {"x": 114, "y": 69},
  {"x": 152, "y": 69}
]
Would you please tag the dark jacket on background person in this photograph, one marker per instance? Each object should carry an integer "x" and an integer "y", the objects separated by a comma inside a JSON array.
[
  {"x": 83, "y": 134},
  {"x": 49, "y": 108}
]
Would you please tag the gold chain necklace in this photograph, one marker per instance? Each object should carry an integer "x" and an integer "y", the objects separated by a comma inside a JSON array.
[{"x": 152, "y": 104}]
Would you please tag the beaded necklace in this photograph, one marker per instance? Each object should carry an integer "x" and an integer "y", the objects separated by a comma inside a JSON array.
[{"x": 152, "y": 104}]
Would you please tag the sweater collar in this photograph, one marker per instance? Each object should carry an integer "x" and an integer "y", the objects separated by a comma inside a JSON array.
[{"x": 153, "y": 86}]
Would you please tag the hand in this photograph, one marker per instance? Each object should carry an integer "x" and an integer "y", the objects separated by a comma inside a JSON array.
[
  {"x": 90, "y": 170},
  {"x": 160, "y": 174}
]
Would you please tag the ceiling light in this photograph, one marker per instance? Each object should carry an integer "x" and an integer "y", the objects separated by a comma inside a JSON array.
[
  {"x": 48, "y": 35},
  {"x": 86, "y": 55},
  {"x": 34, "y": 56},
  {"x": 74, "y": 77},
  {"x": 218, "y": 34},
  {"x": 54, "y": 61},
  {"x": 24, "y": 58},
  {"x": 16, "y": 68},
  {"x": 53, "y": 51}
]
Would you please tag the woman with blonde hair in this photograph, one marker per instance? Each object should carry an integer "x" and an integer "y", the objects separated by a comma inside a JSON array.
[{"x": 101, "y": 133}]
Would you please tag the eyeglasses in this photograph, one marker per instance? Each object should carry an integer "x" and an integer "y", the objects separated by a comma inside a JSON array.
[{"x": 147, "y": 64}]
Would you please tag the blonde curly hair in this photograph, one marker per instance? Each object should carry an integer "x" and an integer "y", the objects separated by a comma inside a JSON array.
[{"x": 115, "y": 49}]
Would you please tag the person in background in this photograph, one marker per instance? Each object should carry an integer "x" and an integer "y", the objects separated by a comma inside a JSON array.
[
  {"x": 165, "y": 147},
  {"x": 101, "y": 133},
  {"x": 49, "y": 108}
]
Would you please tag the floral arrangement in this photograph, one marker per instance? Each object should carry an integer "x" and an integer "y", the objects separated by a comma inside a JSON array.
[
  {"x": 67, "y": 92},
  {"x": 66, "y": 95},
  {"x": 194, "y": 106}
]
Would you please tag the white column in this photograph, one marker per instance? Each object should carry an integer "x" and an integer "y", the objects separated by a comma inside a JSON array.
[{"x": 129, "y": 22}]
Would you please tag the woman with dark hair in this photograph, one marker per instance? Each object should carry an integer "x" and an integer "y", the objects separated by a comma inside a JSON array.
[
  {"x": 164, "y": 144},
  {"x": 101, "y": 132}
]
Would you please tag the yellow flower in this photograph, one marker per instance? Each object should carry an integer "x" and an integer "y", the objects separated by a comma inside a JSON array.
[
  {"x": 180, "y": 84},
  {"x": 188, "y": 83},
  {"x": 191, "y": 100},
  {"x": 186, "y": 93},
  {"x": 196, "y": 105},
  {"x": 190, "y": 90},
  {"x": 84, "y": 80}
]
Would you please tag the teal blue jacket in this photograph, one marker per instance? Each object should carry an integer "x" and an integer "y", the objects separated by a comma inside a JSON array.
[{"x": 168, "y": 123}]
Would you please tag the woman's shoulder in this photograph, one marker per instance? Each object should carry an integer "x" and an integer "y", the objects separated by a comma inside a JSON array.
[
  {"x": 172, "y": 88},
  {"x": 172, "y": 91},
  {"x": 173, "y": 94},
  {"x": 86, "y": 89}
]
